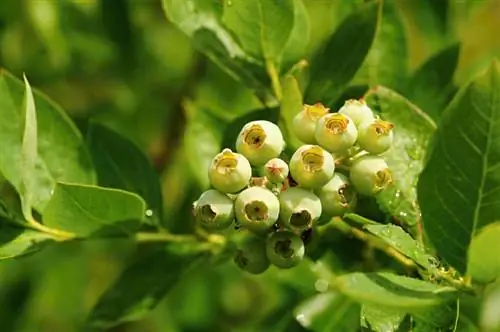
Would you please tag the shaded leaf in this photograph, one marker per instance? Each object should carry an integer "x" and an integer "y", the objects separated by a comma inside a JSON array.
[
  {"x": 335, "y": 65},
  {"x": 121, "y": 164},
  {"x": 94, "y": 211},
  {"x": 296, "y": 46},
  {"x": 484, "y": 263},
  {"x": 16, "y": 242},
  {"x": 62, "y": 155},
  {"x": 431, "y": 86},
  {"x": 459, "y": 187},
  {"x": 439, "y": 318},
  {"x": 140, "y": 287},
  {"x": 330, "y": 311},
  {"x": 412, "y": 132},
  {"x": 391, "y": 290},
  {"x": 380, "y": 319}
]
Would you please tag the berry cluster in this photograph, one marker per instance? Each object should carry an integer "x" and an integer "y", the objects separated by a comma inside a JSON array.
[{"x": 278, "y": 202}]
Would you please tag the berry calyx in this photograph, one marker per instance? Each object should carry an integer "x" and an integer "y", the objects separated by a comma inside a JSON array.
[
  {"x": 257, "y": 209},
  {"x": 376, "y": 137},
  {"x": 304, "y": 123},
  {"x": 251, "y": 255},
  {"x": 311, "y": 166},
  {"x": 260, "y": 141},
  {"x": 214, "y": 210},
  {"x": 336, "y": 132},
  {"x": 370, "y": 175},
  {"x": 285, "y": 249},
  {"x": 299, "y": 208},
  {"x": 358, "y": 111},
  {"x": 337, "y": 196},
  {"x": 276, "y": 170},
  {"x": 229, "y": 172}
]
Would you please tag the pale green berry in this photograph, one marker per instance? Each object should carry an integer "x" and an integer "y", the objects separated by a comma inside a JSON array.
[
  {"x": 376, "y": 136},
  {"x": 311, "y": 166},
  {"x": 214, "y": 210},
  {"x": 285, "y": 249},
  {"x": 260, "y": 141},
  {"x": 251, "y": 255},
  {"x": 369, "y": 175},
  {"x": 336, "y": 133},
  {"x": 337, "y": 196},
  {"x": 304, "y": 123},
  {"x": 358, "y": 111},
  {"x": 257, "y": 209},
  {"x": 229, "y": 172},
  {"x": 299, "y": 208},
  {"x": 276, "y": 170}
]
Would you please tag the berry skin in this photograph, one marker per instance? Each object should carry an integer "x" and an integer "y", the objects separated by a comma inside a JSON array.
[
  {"x": 276, "y": 170},
  {"x": 229, "y": 172},
  {"x": 336, "y": 132},
  {"x": 257, "y": 209},
  {"x": 337, "y": 196},
  {"x": 260, "y": 141},
  {"x": 358, "y": 111},
  {"x": 369, "y": 175},
  {"x": 304, "y": 123},
  {"x": 251, "y": 255},
  {"x": 299, "y": 208},
  {"x": 376, "y": 137},
  {"x": 285, "y": 249},
  {"x": 214, "y": 210},
  {"x": 311, "y": 166}
]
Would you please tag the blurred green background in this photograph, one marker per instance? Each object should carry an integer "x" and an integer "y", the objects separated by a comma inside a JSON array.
[{"x": 123, "y": 63}]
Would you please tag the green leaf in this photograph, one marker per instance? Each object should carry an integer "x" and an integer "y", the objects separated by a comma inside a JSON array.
[
  {"x": 296, "y": 46},
  {"x": 459, "y": 187},
  {"x": 335, "y": 65},
  {"x": 28, "y": 152},
  {"x": 412, "y": 133},
  {"x": 328, "y": 312},
  {"x": 484, "y": 263},
  {"x": 391, "y": 290},
  {"x": 291, "y": 105},
  {"x": 121, "y": 164},
  {"x": 94, "y": 211},
  {"x": 262, "y": 26},
  {"x": 202, "y": 139},
  {"x": 431, "y": 86},
  {"x": 16, "y": 241},
  {"x": 397, "y": 238},
  {"x": 439, "y": 318},
  {"x": 62, "y": 155},
  {"x": 380, "y": 319},
  {"x": 201, "y": 20},
  {"x": 140, "y": 287},
  {"x": 387, "y": 62}
]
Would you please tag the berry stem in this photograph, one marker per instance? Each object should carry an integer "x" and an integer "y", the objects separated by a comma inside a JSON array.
[
  {"x": 275, "y": 80},
  {"x": 163, "y": 237}
]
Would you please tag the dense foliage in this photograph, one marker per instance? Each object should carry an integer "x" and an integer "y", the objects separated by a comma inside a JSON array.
[{"x": 265, "y": 165}]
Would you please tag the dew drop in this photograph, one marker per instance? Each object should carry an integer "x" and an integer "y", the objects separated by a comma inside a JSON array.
[
  {"x": 149, "y": 213},
  {"x": 403, "y": 214},
  {"x": 301, "y": 318},
  {"x": 321, "y": 285},
  {"x": 229, "y": 3}
]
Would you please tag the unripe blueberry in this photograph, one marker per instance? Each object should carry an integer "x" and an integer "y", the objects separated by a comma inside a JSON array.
[
  {"x": 337, "y": 196},
  {"x": 229, "y": 172},
  {"x": 251, "y": 255},
  {"x": 260, "y": 141},
  {"x": 304, "y": 123},
  {"x": 311, "y": 166},
  {"x": 257, "y": 209},
  {"x": 358, "y": 111},
  {"x": 276, "y": 170},
  {"x": 376, "y": 136},
  {"x": 299, "y": 208},
  {"x": 336, "y": 132},
  {"x": 214, "y": 210},
  {"x": 285, "y": 249},
  {"x": 369, "y": 175}
]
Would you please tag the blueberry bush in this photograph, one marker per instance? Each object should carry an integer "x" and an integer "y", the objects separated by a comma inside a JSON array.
[{"x": 236, "y": 165}]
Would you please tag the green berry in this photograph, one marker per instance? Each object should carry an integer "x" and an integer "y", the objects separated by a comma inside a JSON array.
[
  {"x": 251, "y": 255},
  {"x": 276, "y": 170},
  {"x": 376, "y": 137},
  {"x": 358, "y": 111},
  {"x": 337, "y": 196},
  {"x": 304, "y": 123},
  {"x": 229, "y": 172},
  {"x": 257, "y": 209},
  {"x": 369, "y": 175},
  {"x": 285, "y": 249},
  {"x": 214, "y": 210},
  {"x": 299, "y": 208},
  {"x": 336, "y": 132},
  {"x": 260, "y": 141},
  {"x": 311, "y": 166}
]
